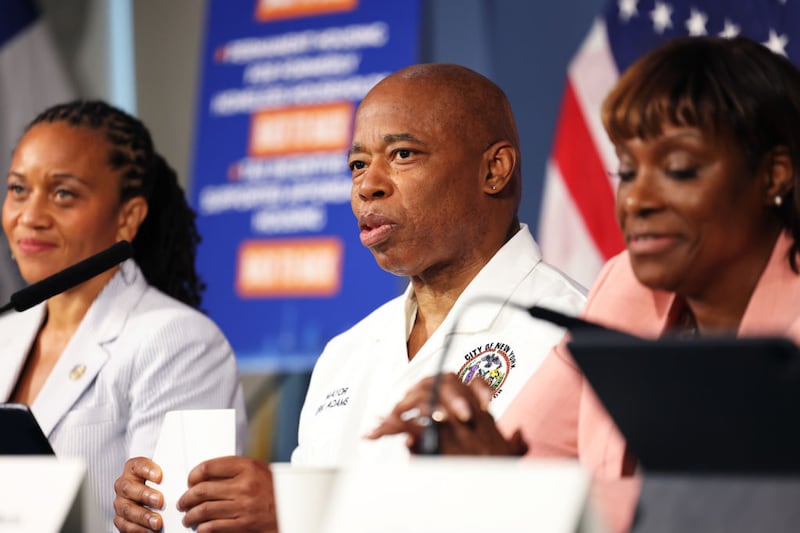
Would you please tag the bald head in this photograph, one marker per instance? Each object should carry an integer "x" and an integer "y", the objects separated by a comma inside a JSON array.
[
  {"x": 466, "y": 97},
  {"x": 435, "y": 168},
  {"x": 464, "y": 102}
]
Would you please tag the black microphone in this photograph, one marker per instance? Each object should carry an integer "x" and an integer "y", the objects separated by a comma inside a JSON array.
[
  {"x": 428, "y": 443},
  {"x": 69, "y": 277}
]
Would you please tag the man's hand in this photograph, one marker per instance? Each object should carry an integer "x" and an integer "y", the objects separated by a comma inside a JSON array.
[
  {"x": 132, "y": 495},
  {"x": 464, "y": 424},
  {"x": 230, "y": 494}
]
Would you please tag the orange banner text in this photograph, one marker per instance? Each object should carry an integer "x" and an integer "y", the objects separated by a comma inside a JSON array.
[
  {"x": 289, "y": 267},
  {"x": 301, "y": 129},
  {"x": 267, "y": 10}
]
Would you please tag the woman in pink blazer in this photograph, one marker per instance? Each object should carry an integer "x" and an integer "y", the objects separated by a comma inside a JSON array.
[{"x": 705, "y": 130}]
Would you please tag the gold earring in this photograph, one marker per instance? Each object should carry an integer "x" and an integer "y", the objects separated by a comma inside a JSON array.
[
  {"x": 494, "y": 187},
  {"x": 778, "y": 200}
]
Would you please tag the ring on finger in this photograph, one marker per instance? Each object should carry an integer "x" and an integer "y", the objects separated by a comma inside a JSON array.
[
  {"x": 410, "y": 414},
  {"x": 439, "y": 416}
]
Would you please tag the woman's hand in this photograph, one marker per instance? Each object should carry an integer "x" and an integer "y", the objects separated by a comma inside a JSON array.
[
  {"x": 461, "y": 416},
  {"x": 132, "y": 495}
]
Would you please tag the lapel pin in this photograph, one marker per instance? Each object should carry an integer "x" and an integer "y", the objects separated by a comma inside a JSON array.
[{"x": 77, "y": 372}]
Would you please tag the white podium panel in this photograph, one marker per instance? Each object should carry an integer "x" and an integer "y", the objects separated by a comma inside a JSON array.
[
  {"x": 301, "y": 496},
  {"x": 459, "y": 495},
  {"x": 42, "y": 494}
]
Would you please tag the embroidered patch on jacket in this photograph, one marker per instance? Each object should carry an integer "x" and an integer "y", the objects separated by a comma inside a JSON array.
[{"x": 491, "y": 362}]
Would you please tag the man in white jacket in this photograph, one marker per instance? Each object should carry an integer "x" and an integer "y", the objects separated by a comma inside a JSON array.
[{"x": 435, "y": 161}]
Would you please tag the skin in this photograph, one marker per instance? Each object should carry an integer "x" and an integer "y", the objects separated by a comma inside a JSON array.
[
  {"x": 436, "y": 187},
  {"x": 422, "y": 193},
  {"x": 62, "y": 205},
  {"x": 225, "y": 494},
  {"x": 696, "y": 221},
  {"x": 465, "y": 425}
]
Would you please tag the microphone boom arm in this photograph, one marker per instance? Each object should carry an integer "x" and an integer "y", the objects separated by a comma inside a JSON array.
[{"x": 71, "y": 276}]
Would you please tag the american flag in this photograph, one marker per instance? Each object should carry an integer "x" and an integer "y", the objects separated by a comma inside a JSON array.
[{"x": 577, "y": 228}]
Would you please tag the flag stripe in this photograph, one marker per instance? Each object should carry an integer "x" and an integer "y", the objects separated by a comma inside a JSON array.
[
  {"x": 563, "y": 232},
  {"x": 592, "y": 196},
  {"x": 593, "y": 74}
]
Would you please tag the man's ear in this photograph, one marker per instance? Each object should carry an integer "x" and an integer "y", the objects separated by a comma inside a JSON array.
[
  {"x": 501, "y": 160},
  {"x": 131, "y": 215},
  {"x": 778, "y": 175}
]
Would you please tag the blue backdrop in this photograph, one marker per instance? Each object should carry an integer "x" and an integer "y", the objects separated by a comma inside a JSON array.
[{"x": 271, "y": 184}]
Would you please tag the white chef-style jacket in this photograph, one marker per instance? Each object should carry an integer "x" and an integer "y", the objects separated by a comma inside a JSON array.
[{"x": 365, "y": 371}]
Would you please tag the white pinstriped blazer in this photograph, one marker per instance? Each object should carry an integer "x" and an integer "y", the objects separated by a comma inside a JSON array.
[{"x": 140, "y": 354}]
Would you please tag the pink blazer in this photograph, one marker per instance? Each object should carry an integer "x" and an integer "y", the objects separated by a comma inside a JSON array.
[{"x": 559, "y": 414}]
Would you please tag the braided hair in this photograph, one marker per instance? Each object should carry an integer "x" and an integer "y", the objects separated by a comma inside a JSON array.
[{"x": 166, "y": 243}]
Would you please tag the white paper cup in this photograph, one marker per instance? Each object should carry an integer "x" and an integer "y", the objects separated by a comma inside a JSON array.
[{"x": 301, "y": 496}]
